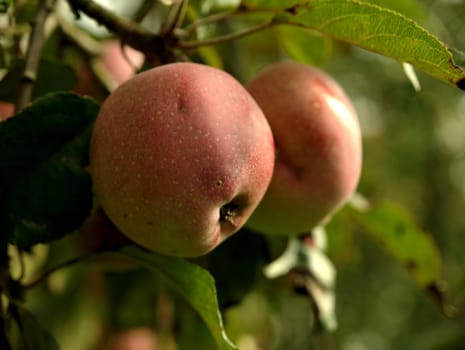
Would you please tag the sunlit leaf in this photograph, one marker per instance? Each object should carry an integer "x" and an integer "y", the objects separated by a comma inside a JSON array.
[
  {"x": 193, "y": 283},
  {"x": 397, "y": 232},
  {"x": 304, "y": 45},
  {"x": 373, "y": 28},
  {"x": 413, "y": 9},
  {"x": 211, "y": 56}
]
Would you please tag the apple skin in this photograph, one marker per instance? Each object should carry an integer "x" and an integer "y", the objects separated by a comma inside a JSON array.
[
  {"x": 121, "y": 62},
  {"x": 133, "y": 339},
  {"x": 117, "y": 63},
  {"x": 318, "y": 147},
  {"x": 180, "y": 157},
  {"x": 7, "y": 110}
]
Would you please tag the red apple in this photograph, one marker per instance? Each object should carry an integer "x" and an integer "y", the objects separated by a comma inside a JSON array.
[
  {"x": 121, "y": 62},
  {"x": 180, "y": 157},
  {"x": 6, "y": 110},
  {"x": 133, "y": 339},
  {"x": 318, "y": 147},
  {"x": 116, "y": 63}
]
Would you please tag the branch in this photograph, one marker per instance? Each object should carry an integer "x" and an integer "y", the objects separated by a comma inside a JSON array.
[
  {"x": 174, "y": 21},
  {"x": 36, "y": 42},
  {"x": 227, "y": 15},
  {"x": 188, "y": 45},
  {"x": 216, "y": 17},
  {"x": 129, "y": 32}
]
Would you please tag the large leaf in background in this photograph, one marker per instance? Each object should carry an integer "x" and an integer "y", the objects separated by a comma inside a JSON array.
[
  {"x": 397, "y": 232},
  {"x": 45, "y": 83},
  {"x": 304, "y": 45},
  {"x": 193, "y": 283},
  {"x": 370, "y": 27},
  {"x": 410, "y": 8},
  {"x": 46, "y": 189}
]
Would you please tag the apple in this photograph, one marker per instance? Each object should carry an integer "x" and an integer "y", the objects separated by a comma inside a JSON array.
[
  {"x": 141, "y": 338},
  {"x": 180, "y": 157},
  {"x": 318, "y": 147},
  {"x": 7, "y": 109},
  {"x": 116, "y": 64},
  {"x": 121, "y": 62}
]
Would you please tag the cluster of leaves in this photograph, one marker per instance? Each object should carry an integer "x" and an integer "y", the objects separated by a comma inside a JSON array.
[{"x": 46, "y": 191}]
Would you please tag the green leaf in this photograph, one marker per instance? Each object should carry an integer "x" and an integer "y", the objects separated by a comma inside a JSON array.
[
  {"x": 46, "y": 189},
  {"x": 236, "y": 265},
  {"x": 373, "y": 28},
  {"x": 34, "y": 337},
  {"x": 412, "y": 9},
  {"x": 48, "y": 68},
  {"x": 211, "y": 56},
  {"x": 397, "y": 232},
  {"x": 51, "y": 202},
  {"x": 39, "y": 131},
  {"x": 304, "y": 45},
  {"x": 193, "y": 283},
  {"x": 287, "y": 5}
]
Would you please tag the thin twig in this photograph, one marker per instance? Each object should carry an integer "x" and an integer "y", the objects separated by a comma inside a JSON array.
[
  {"x": 188, "y": 45},
  {"x": 216, "y": 17},
  {"x": 225, "y": 15},
  {"x": 178, "y": 18},
  {"x": 83, "y": 41},
  {"x": 129, "y": 32},
  {"x": 36, "y": 42}
]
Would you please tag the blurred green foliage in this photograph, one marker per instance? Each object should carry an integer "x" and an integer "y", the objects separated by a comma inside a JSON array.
[{"x": 414, "y": 155}]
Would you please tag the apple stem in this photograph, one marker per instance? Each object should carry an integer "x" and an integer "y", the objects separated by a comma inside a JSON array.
[
  {"x": 130, "y": 32},
  {"x": 227, "y": 213}
]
